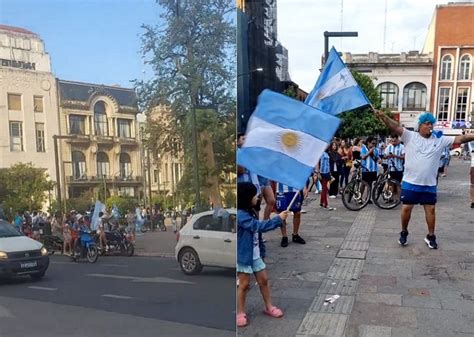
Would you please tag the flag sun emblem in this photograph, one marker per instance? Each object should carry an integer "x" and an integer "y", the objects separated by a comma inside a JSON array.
[{"x": 289, "y": 139}]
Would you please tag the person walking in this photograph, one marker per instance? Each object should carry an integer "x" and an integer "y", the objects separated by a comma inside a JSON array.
[
  {"x": 345, "y": 151},
  {"x": 249, "y": 260},
  {"x": 422, "y": 154},
  {"x": 324, "y": 171},
  {"x": 335, "y": 163}
]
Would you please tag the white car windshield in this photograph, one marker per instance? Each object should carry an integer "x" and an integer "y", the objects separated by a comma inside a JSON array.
[{"x": 7, "y": 230}]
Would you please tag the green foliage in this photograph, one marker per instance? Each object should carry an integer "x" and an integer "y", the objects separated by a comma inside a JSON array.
[
  {"x": 230, "y": 199},
  {"x": 165, "y": 202},
  {"x": 124, "y": 204},
  {"x": 24, "y": 187},
  {"x": 290, "y": 91},
  {"x": 362, "y": 121},
  {"x": 192, "y": 54}
]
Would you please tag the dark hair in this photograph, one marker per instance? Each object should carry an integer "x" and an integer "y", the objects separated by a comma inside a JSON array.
[
  {"x": 240, "y": 134},
  {"x": 369, "y": 140},
  {"x": 245, "y": 193}
]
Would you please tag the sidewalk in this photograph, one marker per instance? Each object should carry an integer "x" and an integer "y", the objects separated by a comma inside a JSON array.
[
  {"x": 157, "y": 243},
  {"x": 386, "y": 290}
]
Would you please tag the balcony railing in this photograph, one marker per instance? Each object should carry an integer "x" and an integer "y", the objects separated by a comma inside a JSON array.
[{"x": 100, "y": 179}]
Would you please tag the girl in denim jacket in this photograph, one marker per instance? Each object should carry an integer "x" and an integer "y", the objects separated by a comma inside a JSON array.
[{"x": 249, "y": 259}]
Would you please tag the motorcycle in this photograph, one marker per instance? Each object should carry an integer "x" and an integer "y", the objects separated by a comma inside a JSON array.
[
  {"x": 86, "y": 248},
  {"x": 117, "y": 241},
  {"x": 52, "y": 243}
]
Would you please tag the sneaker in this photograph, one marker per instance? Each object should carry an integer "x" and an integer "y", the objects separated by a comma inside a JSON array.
[
  {"x": 332, "y": 197},
  {"x": 403, "y": 238},
  {"x": 298, "y": 239},
  {"x": 284, "y": 241},
  {"x": 303, "y": 211},
  {"x": 316, "y": 192},
  {"x": 431, "y": 241}
]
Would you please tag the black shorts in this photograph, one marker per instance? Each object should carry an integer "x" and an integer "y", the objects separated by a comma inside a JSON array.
[
  {"x": 369, "y": 177},
  {"x": 397, "y": 175}
]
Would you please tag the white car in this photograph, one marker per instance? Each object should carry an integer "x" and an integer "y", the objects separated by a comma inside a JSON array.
[
  {"x": 20, "y": 255},
  {"x": 208, "y": 239}
]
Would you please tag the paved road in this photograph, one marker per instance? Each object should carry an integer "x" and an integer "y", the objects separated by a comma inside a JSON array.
[{"x": 119, "y": 296}]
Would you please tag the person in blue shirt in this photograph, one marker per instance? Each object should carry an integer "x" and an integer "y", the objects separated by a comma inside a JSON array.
[
  {"x": 249, "y": 260},
  {"x": 370, "y": 157}
]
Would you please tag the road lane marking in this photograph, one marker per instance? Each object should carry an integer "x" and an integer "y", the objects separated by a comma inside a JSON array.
[
  {"x": 43, "y": 288},
  {"x": 117, "y": 296},
  {"x": 157, "y": 279}
]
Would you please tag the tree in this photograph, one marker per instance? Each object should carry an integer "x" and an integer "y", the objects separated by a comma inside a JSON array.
[
  {"x": 23, "y": 187},
  {"x": 362, "y": 121},
  {"x": 192, "y": 54}
]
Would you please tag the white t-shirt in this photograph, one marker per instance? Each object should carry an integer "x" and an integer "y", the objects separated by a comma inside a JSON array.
[
  {"x": 256, "y": 247},
  {"x": 422, "y": 157}
]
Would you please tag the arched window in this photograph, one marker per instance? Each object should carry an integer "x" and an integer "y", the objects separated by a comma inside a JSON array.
[
  {"x": 446, "y": 65},
  {"x": 100, "y": 119},
  {"x": 125, "y": 165},
  {"x": 102, "y": 165},
  {"x": 465, "y": 68},
  {"x": 78, "y": 165},
  {"x": 389, "y": 94},
  {"x": 414, "y": 96}
]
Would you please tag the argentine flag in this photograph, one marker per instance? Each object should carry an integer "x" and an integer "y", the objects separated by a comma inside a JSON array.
[
  {"x": 285, "y": 139},
  {"x": 336, "y": 90},
  {"x": 99, "y": 207}
]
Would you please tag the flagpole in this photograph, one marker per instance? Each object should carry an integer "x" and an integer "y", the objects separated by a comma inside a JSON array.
[{"x": 293, "y": 200}]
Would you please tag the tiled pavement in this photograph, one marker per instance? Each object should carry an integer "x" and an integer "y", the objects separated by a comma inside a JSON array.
[{"x": 385, "y": 290}]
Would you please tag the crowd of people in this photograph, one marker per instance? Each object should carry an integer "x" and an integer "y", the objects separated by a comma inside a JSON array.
[{"x": 414, "y": 158}]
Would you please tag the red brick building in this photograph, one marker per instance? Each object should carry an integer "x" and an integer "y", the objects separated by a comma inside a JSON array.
[{"x": 451, "y": 41}]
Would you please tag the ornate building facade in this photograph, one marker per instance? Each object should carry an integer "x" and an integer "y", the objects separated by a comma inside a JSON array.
[
  {"x": 100, "y": 141},
  {"x": 28, "y": 101}
]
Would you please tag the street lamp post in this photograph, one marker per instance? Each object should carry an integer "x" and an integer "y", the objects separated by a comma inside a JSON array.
[
  {"x": 243, "y": 106},
  {"x": 56, "y": 159},
  {"x": 327, "y": 35}
]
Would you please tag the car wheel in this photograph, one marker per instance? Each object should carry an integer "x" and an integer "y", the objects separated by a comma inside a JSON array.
[
  {"x": 189, "y": 261},
  {"x": 37, "y": 276}
]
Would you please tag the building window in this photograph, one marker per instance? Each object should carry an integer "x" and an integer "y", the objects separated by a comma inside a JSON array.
[
  {"x": 389, "y": 94},
  {"x": 156, "y": 177},
  {"x": 414, "y": 96},
  {"x": 461, "y": 106},
  {"x": 443, "y": 103},
  {"x": 38, "y": 103},
  {"x": 126, "y": 191},
  {"x": 77, "y": 125},
  {"x": 124, "y": 128},
  {"x": 78, "y": 165},
  {"x": 40, "y": 137},
  {"x": 16, "y": 136},
  {"x": 102, "y": 165},
  {"x": 446, "y": 65},
  {"x": 100, "y": 119},
  {"x": 465, "y": 68},
  {"x": 14, "y": 102},
  {"x": 125, "y": 166}
]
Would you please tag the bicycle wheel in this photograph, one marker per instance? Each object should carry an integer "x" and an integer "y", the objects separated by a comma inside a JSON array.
[
  {"x": 356, "y": 195},
  {"x": 386, "y": 194}
]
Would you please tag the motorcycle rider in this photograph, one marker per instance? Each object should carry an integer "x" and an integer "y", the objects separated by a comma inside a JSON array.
[{"x": 78, "y": 226}]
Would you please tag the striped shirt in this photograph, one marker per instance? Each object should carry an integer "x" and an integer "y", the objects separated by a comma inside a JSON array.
[
  {"x": 398, "y": 150},
  {"x": 247, "y": 176},
  {"x": 370, "y": 165},
  {"x": 324, "y": 163},
  {"x": 282, "y": 188}
]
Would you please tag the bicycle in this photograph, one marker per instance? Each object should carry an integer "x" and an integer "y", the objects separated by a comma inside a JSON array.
[
  {"x": 356, "y": 194},
  {"x": 386, "y": 190}
]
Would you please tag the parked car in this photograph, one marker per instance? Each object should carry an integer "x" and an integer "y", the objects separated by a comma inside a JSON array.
[
  {"x": 20, "y": 255},
  {"x": 208, "y": 239}
]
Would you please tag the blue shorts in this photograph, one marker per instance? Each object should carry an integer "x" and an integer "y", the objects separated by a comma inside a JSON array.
[
  {"x": 409, "y": 197},
  {"x": 257, "y": 266},
  {"x": 284, "y": 199}
]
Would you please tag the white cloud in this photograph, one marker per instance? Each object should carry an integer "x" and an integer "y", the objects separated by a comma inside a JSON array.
[{"x": 301, "y": 24}]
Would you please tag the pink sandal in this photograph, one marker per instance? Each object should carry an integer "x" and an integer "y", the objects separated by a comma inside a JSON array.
[
  {"x": 274, "y": 312},
  {"x": 241, "y": 320}
]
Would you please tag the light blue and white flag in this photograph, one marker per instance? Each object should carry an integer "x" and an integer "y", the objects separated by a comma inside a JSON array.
[
  {"x": 115, "y": 212},
  {"x": 336, "y": 90},
  {"x": 99, "y": 207},
  {"x": 285, "y": 139}
]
